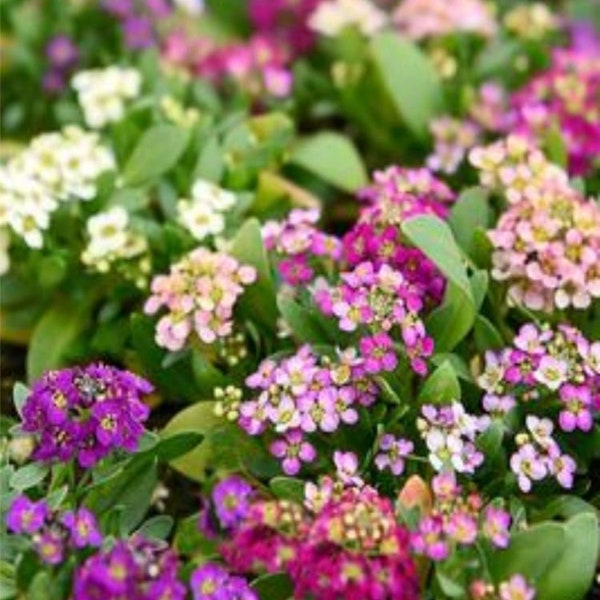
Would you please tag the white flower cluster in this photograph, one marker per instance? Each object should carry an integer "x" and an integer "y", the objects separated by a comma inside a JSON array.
[
  {"x": 54, "y": 168},
  {"x": 204, "y": 214},
  {"x": 112, "y": 240},
  {"x": 102, "y": 93},
  {"x": 331, "y": 17}
]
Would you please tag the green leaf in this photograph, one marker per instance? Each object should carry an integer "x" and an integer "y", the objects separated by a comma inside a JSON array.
[
  {"x": 572, "y": 574},
  {"x": 207, "y": 376},
  {"x": 54, "y": 335},
  {"x": 332, "y": 157},
  {"x": 258, "y": 301},
  {"x": 210, "y": 163},
  {"x": 564, "y": 506},
  {"x": 554, "y": 145},
  {"x": 302, "y": 321},
  {"x": 288, "y": 488},
  {"x": 157, "y": 528},
  {"x": 449, "y": 587},
  {"x": 471, "y": 210},
  {"x": 409, "y": 78},
  {"x": 178, "y": 444},
  {"x": 275, "y": 586},
  {"x": 130, "y": 199},
  {"x": 442, "y": 386},
  {"x": 487, "y": 337},
  {"x": 20, "y": 394},
  {"x": 28, "y": 476},
  {"x": 156, "y": 152}
]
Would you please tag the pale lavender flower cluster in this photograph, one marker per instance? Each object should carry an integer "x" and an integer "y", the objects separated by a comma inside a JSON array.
[
  {"x": 381, "y": 300},
  {"x": 392, "y": 453},
  {"x": 85, "y": 413},
  {"x": 449, "y": 433},
  {"x": 453, "y": 138},
  {"x": 303, "y": 394},
  {"x": 199, "y": 294}
]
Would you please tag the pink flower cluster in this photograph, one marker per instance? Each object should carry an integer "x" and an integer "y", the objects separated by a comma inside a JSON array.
[
  {"x": 297, "y": 241},
  {"x": 547, "y": 244},
  {"x": 419, "y": 19},
  {"x": 381, "y": 300},
  {"x": 396, "y": 195},
  {"x": 353, "y": 544},
  {"x": 453, "y": 138},
  {"x": 303, "y": 394},
  {"x": 199, "y": 294},
  {"x": 457, "y": 520},
  {"x": 259, "y": 66},
  {"x": 567, "y": 95},
  {"x": 449, "y": 433},
  {"x": 489, "y": 108},
  {"x": 554, "y": 370}
]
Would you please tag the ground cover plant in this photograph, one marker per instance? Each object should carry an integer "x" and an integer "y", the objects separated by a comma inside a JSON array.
[{"x": 300, "y": 299}]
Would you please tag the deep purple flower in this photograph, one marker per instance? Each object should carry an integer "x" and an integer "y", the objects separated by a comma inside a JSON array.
[
  {"x": 118, "y": 8},
  {"x": 85, "y": 413},
  {"x": 231, "y": 500},
  {"x": 26, "y": 516},
  {"x": 61, "y": 52},
  {"x": 82, "y": 527},
  {"x": 53, "y": 81},
  {"x": 212, "y": 582},
  {"x": 138, "y": 32},
  {"x": 378, "y": 353}
]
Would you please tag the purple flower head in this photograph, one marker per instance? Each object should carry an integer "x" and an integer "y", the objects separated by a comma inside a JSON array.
[
  {"x": 85, "y": 413},
  {"x": 53, "y": 81},
  {"x": 83, "y": 528},
  {"x": 159, "y": 9},
  {"x": 294, "y": 450},
  {"x": 346, "y": 465},
  {"x": 516, "y": 588},
  {"x": 392, "y": 453},
  {"x": 429, "y": 539},
  {"x": 231, "y": 500},
  {"x": 26, "y": 516},
  {"x": 138, "y": 32},
  {"x": 212, "y": 582},
  {"x": 50, "y": 546},
  {"x": 378, "y": 353},
  {"x": 118, "y": 8},
  {"x": 496, "y": 523},
  {"x": 61, "y": 52}
]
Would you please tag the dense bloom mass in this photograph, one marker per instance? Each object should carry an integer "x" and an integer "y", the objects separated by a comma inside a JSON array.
[
  {"x": 199, "y": 294},
  {"x": 213, "y": 582},
  {"x": 54, "y": 169},
  {"x": 557, "y": 370},
  {"x": 136, "y": 569},
  {"x": 85, "y": 413}
]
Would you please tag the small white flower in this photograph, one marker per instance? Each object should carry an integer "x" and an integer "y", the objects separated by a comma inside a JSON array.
[
  {"x": 330, "y": 18},
  {"x": 200, "y": 219},
  {"x": 214, "y": 196}
]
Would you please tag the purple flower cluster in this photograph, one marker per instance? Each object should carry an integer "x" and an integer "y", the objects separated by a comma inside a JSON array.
[
  {"x": 302, "y": 394},
  {"x": 297, "y": 241},
  {"x": 396, "y": 195},
  {"x": 449, "y": 433},
  {"x": 136, "y": 569},
  {"x": 552, "y": 370},
  {"x": 231, "y": 500},
  {"x": 566, "y": 94},
  {"x": 458, "y": 520},
  {"x": 62, "y": 55},
  {"x": 138, "y": 21},
  {"x": 52, "y": 533},
  {"x": 85, "y": 413},
  {"x": 213, "y": 582},
  {"x": 392, "y": 453},
  {"x": 380, "y": 299}
]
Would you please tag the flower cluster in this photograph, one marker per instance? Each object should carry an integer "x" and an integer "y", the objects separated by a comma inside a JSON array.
[
  {"x": 567, "y": 95},
  {"x": 103, "y": 93},
  {"x": 199, "y": 294},
  {"x": 489, "y": 108},
  {"x": 453, "y": 138},
  {"x": 62, "y": 55},
  {"x": 557, "y": 370},
  {"x": 531, "y": 21},
  {"x": 213, "y": 582},
  {"x": 296, "y": 240},
  {"x": 303, "y": 394},
  {"x": 381, "y": 300},
  {"x": 449, "y": 433},
  {"x": 392, "y": 452},
  {"x": 515, "y": 588},
  {"x": 52, "y": 533},
  {"x": 113, "y": 243},
  {"x": 204, "y": 214},
  {"x": 136, "y": 569},
  {"x": 396, "y": 195},
  {"x": 85, "y": 413},
  {"x": 54, "y": 168},
  {"x": 331, "y": 17},
  {"x": 419, "y": 19},
  {"x": 353, "y": 543},
  {"x": 458, "y": 520}
]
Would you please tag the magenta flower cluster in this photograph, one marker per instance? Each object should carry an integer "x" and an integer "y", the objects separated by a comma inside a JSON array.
[
  {"x": 213, "y": 582},
  {"x": 458, "y": 520},
  {"x": 199, "y": 295},
  {"x": 85, "y": 413},
  {"x": 303, "y": 394},
  {"x": 566, "y": 94},
  {"x": 52, "y": 533},
  {"x": 380, "y": 300},
  {"x": 554, "y": 371},
  {"x": 353, "y": 542},
  {"x": 396, "y": 195},
  {"x": 297, "y": 242},
  {"x": 136, "y": 569}
]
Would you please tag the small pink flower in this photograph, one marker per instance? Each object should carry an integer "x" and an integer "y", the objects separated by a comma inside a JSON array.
[
  {"x": 294, "y": 451},
  {"x": 346, "y": 464}
]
